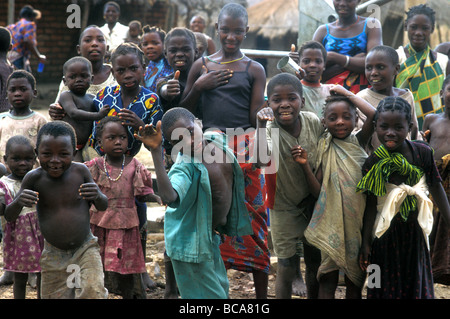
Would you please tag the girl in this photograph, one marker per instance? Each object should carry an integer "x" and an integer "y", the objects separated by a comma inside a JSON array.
[
  {"x": 134, "y": 32},
  {"x": 336, "y": 223},
  {"x": 229, "y": 78},
  {"x": 422, "y": 70},
  {"x": 152, "y": 44},
  {"x": 121, "y": 178},
  {"x": 347, "y": 41},
  {"x": 395, "y": 221},
  {"x": 23, "y": 241}
]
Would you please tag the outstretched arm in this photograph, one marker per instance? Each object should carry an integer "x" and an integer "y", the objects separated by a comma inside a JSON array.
[{"x": 152, "y": 139}]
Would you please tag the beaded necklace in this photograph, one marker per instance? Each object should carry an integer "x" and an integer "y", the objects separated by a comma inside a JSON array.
[
  {"x": 121, "y": 170},
  {"x": 226, "y": 62}
]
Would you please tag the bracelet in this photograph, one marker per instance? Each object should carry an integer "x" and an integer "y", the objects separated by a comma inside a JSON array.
[{"x": 347, "y": 62}]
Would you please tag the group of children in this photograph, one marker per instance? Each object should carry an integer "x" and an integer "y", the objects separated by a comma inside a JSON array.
[{"x": 347, "y": 167}]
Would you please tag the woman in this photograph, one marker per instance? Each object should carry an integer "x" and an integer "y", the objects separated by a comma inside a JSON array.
[
  {"x": 23, "y": 39},
  {"x": 347, "y": 41}
]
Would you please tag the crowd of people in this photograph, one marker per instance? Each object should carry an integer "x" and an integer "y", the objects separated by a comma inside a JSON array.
[{"x": 359, "y": 137}]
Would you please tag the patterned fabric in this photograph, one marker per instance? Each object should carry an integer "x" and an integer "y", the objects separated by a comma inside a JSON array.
[
  {"x": 154, "y": 71},
  {"x": 23, "y": 240},
  {"x": 423, "y": 75},
  {"x": 389, "y": 163},
  {"x": 21, "y": 31},
  {"x": 145, "y": 105},
  {"x": 246, "y": 253}
]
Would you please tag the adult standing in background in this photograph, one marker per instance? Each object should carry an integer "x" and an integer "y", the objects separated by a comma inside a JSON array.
[
  {"x": 23, "y": 39},
  {"x": 198, "y": 24},
  {"x": 115, "y": 33},
  {"x": 347, "y": 41}
]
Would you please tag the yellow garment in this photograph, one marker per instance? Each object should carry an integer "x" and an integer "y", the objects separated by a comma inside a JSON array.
[{"x": 389, "y": 205}]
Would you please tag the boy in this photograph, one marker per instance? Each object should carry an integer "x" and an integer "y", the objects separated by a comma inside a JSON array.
[
  {"x": 77, "y": 104},
  {"x": 292, "y": 204},
  {"x": 311, "y": 58},
  {"x": 436, "y": 127},
  {"x": 5, "y": 67},
  {"x": 204, "y": 198},
  {"x": 382, "y": 66},
  {"x": 63, "y": 191}
]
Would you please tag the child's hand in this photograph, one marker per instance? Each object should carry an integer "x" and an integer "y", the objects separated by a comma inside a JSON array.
[
  {"x": 426, "y": 135},
  {"x": 173, "y": 86},
  {"x": 213, "y": 79},
  {"x": 104, "y": 110},
  {"x": 130, "y": 118},
  {"x": 294, "y": 55},
  {"x": 56, "y": 112},
  {"x": 340, "y": 90},
  {"x": 299, "y": 155},
  {"x": 89, "y": 191},
  {"x": 28, "y": 198},
  {"x": 264, "y": 115},
  {"x": 150, "y": 136}
]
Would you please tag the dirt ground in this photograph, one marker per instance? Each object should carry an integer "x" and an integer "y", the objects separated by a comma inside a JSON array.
[{"x": 241, "y": 284}]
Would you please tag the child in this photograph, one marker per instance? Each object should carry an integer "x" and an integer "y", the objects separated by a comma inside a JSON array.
[
  {"x": 115, "y": 32},
  {"x": 398, "y": 216},
  {"x": 230, "y": 78},
  {"x": 336, "y": 222},
  {"x": 134, "y": 104},
  {"x": 121, "y": 178},
  {"x": 5, "y": 67},
  {"x": 202, "y": 44},
  {"x": 421, "y": 69},
  {"x": 381, "y": 68},
  {"x": 63, "y": 191},
  {"x": 204, "y": 198},
  {"x": 290, "y": 211},
  {"x": 20, "y": 120},
  {"x": 134, "y": 32},
  {"x": 436, "y": 126},
  {"x": 23, "y": 242},
  {"x": 152, "y": 44},
  {"x": 311, "y": 58},
  {"x": 77, "y": 104}
]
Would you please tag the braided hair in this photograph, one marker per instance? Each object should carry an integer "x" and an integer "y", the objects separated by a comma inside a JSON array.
[{"x": 394, "y": 103}]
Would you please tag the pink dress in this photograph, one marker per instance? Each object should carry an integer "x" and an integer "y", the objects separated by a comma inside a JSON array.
[
  {"x": 23, "y": 241},
  {"x": 117, "y": 228}
]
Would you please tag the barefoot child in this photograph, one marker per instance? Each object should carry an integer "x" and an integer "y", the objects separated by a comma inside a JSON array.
[
  {"x": 381, "y": 69},
  {"x": 438, "y": 135},
  {"x": 205, "y": 197},
  {"x": 121, "y": 178},
  {"x": 23, "y": 241},
  {"x": 398, "y": 217},
  {"x": 336, "y": 222},
  {"x": 63, "y": 191},
  {"x": 289, "y": 214},
  {"x": 152, "y": 44},
  {"x": 77, "y": 103}
]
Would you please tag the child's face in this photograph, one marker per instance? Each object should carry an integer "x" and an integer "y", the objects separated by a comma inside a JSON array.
[
  {"x": 78, "y": 78},
  {"x": 20, "y": 93},
  {"x": 152, "y": 46},
  {"x": 392, "y": 129},
  {"x": 134, "y": 30},
  {"x": 20, "y": 159},
  {"x": 445, "y": 94},
  {"x": 114, "y": 139},
  {"x": 111, "y": 14},
  {"x": 55, "y": 154},
  {"x": 128, "y": 71},
  {"x": 419, "y": 29},
  {"x": 380, "y": 71},
  {"x": 180, "y": 53},
  {"x": 313, "y": 64},
  {"x": 197, "y": 24},
  {"x": 286, "y": 103},
  {"x": 187, "y": 136},
  {"x": 92, "y": 45},
  {"x": 339, "y": 119},
  {"x": 232, "y": 32},
  {"x": 345, "y": 8}
]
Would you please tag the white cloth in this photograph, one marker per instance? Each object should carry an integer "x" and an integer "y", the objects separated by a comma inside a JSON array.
[
  {"x": 116, "y": 36},
  {"x": 389, "y": 205}
]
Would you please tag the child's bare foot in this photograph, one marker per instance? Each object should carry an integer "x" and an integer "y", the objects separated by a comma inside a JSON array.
[
  {"x": 149, "y": 284},
  {"x": 299, "y": 287},
  {"x": 7, "y": 278}
]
